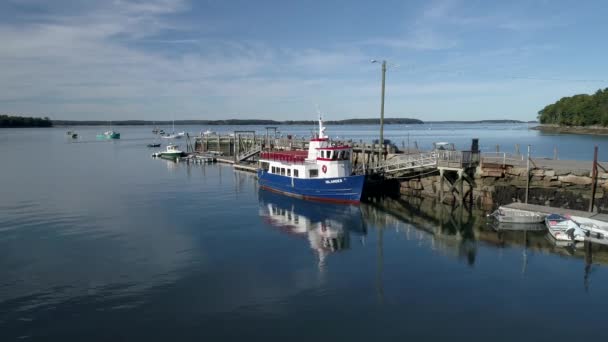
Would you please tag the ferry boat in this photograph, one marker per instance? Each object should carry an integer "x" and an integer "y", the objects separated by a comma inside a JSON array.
[{"x": 322, "y": 173}]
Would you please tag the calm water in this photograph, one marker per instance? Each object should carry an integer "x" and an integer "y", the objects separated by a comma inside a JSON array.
[{"x": 100, "y": 242}]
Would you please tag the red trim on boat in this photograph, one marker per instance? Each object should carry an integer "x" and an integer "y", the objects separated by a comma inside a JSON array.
[
  {"x": 311, "y": 198},
  {"x": 334, "y": 148},
  {"x": 325, "y": 159},
  {"x": 285, "y": 156},
  {"x": 319, "y": 139}
]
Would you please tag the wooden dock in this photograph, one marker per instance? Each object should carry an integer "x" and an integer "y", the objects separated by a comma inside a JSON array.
[{"x": 238, "y": 166}]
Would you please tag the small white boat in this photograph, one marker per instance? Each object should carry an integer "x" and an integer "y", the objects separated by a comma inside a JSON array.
[
  {"x": 563, "y": 228},
  {"x": 174, "y": 135},
  {"x": 509, "y": 215},
  {"x": 208, "y": 132}
]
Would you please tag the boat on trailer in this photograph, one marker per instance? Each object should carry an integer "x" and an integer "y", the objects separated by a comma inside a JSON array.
[
  {"x": 508, "y": 215},
  {"x": 322, "y": 173}
]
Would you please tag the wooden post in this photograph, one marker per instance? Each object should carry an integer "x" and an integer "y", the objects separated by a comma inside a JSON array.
[
  {"x": 219, "y": 146},
  {"x": 364, "y": 162},
  {"x": 497, "y": 148},
  {"x": 517, "y": 149},
  {"x": 528, "y": 175},
  {"x": 236, "y": 147},
  {"x": 461, "y": 186},
  {"x": 593, "y": 179},
  {"x": 441, "y": 176}
]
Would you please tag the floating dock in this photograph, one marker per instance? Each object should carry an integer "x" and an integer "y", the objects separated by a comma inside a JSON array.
[
  {"x": 561, "y": 211},
  {"x": 565, "y": 212}
]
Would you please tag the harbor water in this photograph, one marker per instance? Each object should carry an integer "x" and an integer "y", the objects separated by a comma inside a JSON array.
[{"x": 100, "y": 242}]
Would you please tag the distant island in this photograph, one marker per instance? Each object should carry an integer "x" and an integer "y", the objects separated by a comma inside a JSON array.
[
  {"x": 9, "y": 121},
  {"x": 388, "y": 121},
  {"x": 21, "y": 121},
  {"x": 500, "y": 121},
  {"x": 581, "y": 110}
]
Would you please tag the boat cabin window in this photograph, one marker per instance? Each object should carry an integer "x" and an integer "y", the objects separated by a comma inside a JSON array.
[
  {"x": 334, "y": 155},
  {"x": 273, "y": 170},
  {"x": 295, "y": 173},
  {"x": 289, "y": 172},
  {"x": 313, "y": 173},
  {"x": 265, "y": 166}
]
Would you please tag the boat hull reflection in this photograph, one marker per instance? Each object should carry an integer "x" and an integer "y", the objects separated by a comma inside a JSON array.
[{"x": 326, "y": 226}]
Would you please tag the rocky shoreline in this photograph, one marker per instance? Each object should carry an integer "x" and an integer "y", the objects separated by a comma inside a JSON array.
[{"x": 499, "y": 185}]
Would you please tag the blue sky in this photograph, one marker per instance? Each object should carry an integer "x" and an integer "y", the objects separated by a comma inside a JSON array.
[{"x": 159, "y": 59}]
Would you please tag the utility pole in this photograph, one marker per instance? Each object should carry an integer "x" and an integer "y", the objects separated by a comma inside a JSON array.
[
  {"x": 381, "y": 142},
  {"x": 382, "y": 113},
  {"x": 528, "y": 175}
]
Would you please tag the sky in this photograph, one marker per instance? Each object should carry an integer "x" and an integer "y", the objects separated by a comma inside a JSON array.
[{"x": 222, "y": 59}]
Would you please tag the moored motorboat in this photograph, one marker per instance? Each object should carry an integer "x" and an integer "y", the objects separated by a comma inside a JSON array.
[
  {"x": 323, "y": 173},
  {"x": 154, "y": 145},
  {"x": 109, "y": 135},
  {"x": 172, "y": 151}
]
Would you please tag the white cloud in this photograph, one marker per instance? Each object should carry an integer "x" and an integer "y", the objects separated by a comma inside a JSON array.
[{"x": 93, "y": 64}]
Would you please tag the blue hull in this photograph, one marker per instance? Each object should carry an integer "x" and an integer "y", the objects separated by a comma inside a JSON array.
[{"x": 340, "y": 190}]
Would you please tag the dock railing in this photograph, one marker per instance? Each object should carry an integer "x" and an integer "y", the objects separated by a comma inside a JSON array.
[
  {"x": 457, "y": 159},
  {"x": 407, "y": 162},
  {"x": 502, "y": 158}
]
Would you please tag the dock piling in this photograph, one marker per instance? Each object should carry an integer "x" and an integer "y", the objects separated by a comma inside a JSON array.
[
  {"x": 593, "y": 179},
  {"x": 555, "y": 152},
  {"x": 528, "y": 175},
  {"x": 441, "y": 176}
]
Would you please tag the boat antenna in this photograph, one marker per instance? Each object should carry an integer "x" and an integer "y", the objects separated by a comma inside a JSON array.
[{"x": 321, "y": 128}]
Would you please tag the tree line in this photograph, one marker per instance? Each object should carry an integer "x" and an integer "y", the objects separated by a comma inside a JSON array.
[
  {"x": 577, "y": 110},
  {"x": 24, "y": 121}
]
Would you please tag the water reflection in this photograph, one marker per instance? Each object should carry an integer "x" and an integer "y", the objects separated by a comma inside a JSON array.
[
  {"x": 458, "y": 232},
  {"x": 326, "y": 227}
]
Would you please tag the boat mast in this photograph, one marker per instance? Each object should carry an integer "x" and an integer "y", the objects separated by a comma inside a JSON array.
[{"x": 321, "y": 128}]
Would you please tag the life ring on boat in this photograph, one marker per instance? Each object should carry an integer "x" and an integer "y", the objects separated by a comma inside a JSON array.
[{"x": 324, "y": 168}]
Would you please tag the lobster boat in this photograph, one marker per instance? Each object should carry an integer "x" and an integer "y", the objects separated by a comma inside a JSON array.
[{"x": 323, "y": 173}]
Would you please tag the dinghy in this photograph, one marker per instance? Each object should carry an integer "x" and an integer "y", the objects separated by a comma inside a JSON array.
[{"x": 508, "y": 215}]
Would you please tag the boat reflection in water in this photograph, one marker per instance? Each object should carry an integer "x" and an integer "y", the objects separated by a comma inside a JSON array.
[{"x": 326, "y": 226}]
